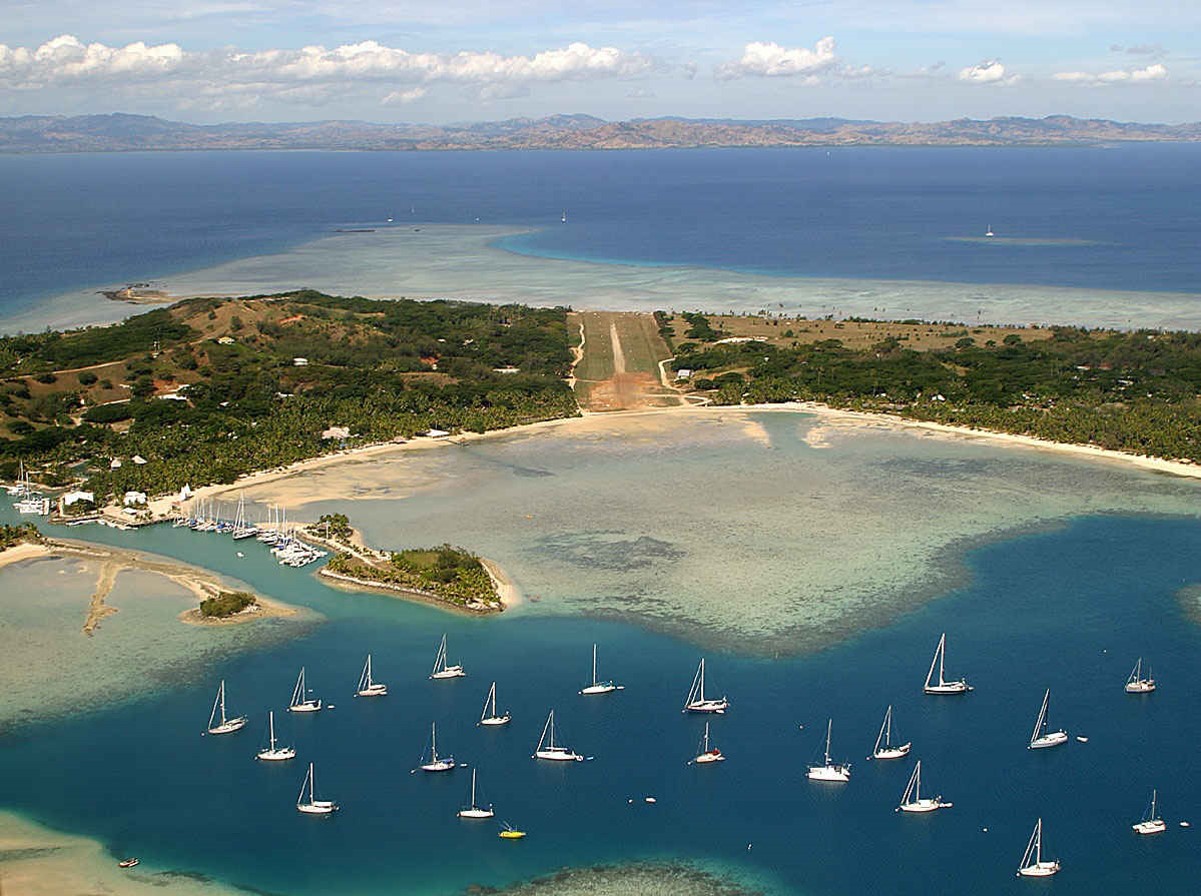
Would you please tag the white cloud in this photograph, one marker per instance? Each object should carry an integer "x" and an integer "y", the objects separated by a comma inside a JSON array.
[
  {"x": 1154, "y": 72},
  {"x": 991, "y": 71},
  {"x": 770, "y": 60},
  {"x": 66, "y": 61},
  {"x": 404, "y": 97}
]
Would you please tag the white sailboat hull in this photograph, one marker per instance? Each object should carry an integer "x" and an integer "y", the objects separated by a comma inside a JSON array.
[
  {"x": 448, "y": 672},
  {"x": 229, "y": 726},
  {"x": 306, "y": 706},
  {"x": 279, "y": 754},
  {"x": 373, "y": 690},
  {"x": 830, "y": 774},
  {"x": 948, "y": 687},
  {"x": 925, "y": 805},
  {"x": 496, "y": 720},
  {"x": 1140, "y": 687},
  {"x": 718, "y": 706},
  {"x": 607, "y": 687},
  {"x": 558, "y": 754},
  {"x": 317, "y": 807},
  {"x": 1050, "y": 739},
  {"x": 441, "y": 765},
  {"x": 1039, "y": 869},
  {"x": 476, "y": 813},
  {"x": 711, "y": 756},
  {"x": 1156, "y": 826},
  {"x": 898, "y": 752}
]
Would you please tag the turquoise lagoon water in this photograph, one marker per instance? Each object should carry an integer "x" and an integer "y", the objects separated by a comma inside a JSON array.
[{"x": 1069, "y": 609}]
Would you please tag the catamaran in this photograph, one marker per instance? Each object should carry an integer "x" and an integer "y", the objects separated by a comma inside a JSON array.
[
  {"x": 1151, "y": 823},
  {"x": 597, "y": 686},
  {"x": 696, "y": 700},
  {"x": 367, "y": 687},
  {"x": 1041, "y": 738},
  {"x": 1136, "y": 684},
  {"x": 943, "y": 686},
  {"x": 313, "y": 806},
  {"x": 884, "y": 748},
  {"x": 1032, "y": 859},
  {"x": 274, "y": 753},
  {"x": 708, "y": 753},
  {"x": 436, "y": 763},
  {"x": 912, "y": 801},
  {"x": 834, "y": 772},
  {"x": 226, "y": 725},
  {"x": 441, "y": 669},
  {"x": 301, "y": 701},
  {"x": 547, "y": 749},
  {"x": 475, "y": 811},
  {"x": 489, "y": 716}
]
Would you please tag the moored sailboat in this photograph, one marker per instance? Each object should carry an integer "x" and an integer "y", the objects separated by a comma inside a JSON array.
[
  {"x": 1041, "y": 738},
  {"x": 597, "y": 686},
  {"x": 312, "y": 806},
  {"x": 708, "y": 753},
  {"x": 474, "y": 811},
  {"x": 548, "y": 749},
  {"x": 226, "y": 725},
  {"x": 1151, "y": 823},
  {"x": 489, "y": 715},
  {"x": 1032, "y": 859},
  {"x": 884, "y": 748},
  {"x": 441, "y": 668},
  {"x": 912, "y": 800},
  {"x": 274, "y": 753},
  {"x": 829, "y": 771},
  {"x": 696, "y": 701},
  {"x": 436, "y": 763},
  {"x": 367, "y": 686},
  {"x": 1136, "y": 683},
  {"x": 942, "y": 686},
  {"x": 301, "y": 701}
]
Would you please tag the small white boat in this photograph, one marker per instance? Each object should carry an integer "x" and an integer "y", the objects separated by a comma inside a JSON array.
[
  {"x": 707, "y": 752},
  {"x": 489, "y": 716},
  {"x": 274, "y": 753},
  {"x": 597, "y": 686},
  {"x": 548, "y": 749},
  {"x": 301, "y": 701},
  {"x": 474, "y": 811},
  {"x": 436, "y": 763},
  {"x": 1041, "y": 738},
  {"x": 563, "y": 218},
  {"x": 912, "y": 800},
  {"x": 1151, "y": 823},
  {"x": 367, "y": 687},
  {"x": 829, "y": 771},
  {"x": 441, "y": 668},
  {"x": 1032, "y": 859},
  {"x": 226, "y": 725},
  {"x": 1081, "y": 739},
  {"x": 313, "y": 806},
  {"x": 131, "y": 862},
  {"x": 696, "y": 701},
  {"x": 989, "y": 232},
  {"x": 1136, "y": 683},
  {"x": 884, "y": 748},
  {"x": 942, "y": 686}
]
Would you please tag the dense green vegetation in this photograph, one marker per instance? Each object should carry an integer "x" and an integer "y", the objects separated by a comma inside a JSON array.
[
  {"x": 244, "y": 402},
  {"x": 334, "y": 525},
  {"x": 227, "y": 603},
  {"x": 11, "y": 536},
  {"x": 452, "y": 574},
  {"x": 1138, "y": 392}
]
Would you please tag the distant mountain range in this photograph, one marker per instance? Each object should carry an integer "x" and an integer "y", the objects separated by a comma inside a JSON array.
[{"x": 127, "y": 133}]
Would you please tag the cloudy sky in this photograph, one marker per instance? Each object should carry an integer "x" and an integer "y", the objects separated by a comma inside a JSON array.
[{"x": 458, "y": 60}]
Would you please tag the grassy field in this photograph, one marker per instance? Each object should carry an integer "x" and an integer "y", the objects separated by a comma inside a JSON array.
[{"x": 619, "y": 366}]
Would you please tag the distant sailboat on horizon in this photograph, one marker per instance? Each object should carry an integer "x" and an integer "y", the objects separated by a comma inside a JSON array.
[
  {"x": 226, "y": 725},
  {"x": 884, "y": 748},
  {"x": 943, "y": 686},
  {"x": 988, "y": 231}
]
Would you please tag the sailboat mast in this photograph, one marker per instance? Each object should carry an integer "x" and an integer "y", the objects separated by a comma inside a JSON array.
[
  {"x": 271, "y": 727},
  {"x": 594, "y": 664},
  {"x": 942, "y": 656},
  {"x": 473, "y": 788},
  {"x": 829, "y": 728},
  {"x": 223, "y": 701}
]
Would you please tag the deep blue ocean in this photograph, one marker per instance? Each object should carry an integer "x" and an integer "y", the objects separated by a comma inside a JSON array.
[
  {"x": 1069, "y": 609},
  {"x": 1123, "y": 217}
]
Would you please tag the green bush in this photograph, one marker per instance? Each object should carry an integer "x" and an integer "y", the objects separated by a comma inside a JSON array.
[{"x": 227, "y": 603}]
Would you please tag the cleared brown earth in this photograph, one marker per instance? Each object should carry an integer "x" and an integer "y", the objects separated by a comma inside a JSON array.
[{"x": 618, "y": 368}]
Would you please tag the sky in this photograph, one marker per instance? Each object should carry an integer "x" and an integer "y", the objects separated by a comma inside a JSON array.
[{"x": 477, "y": 60}]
